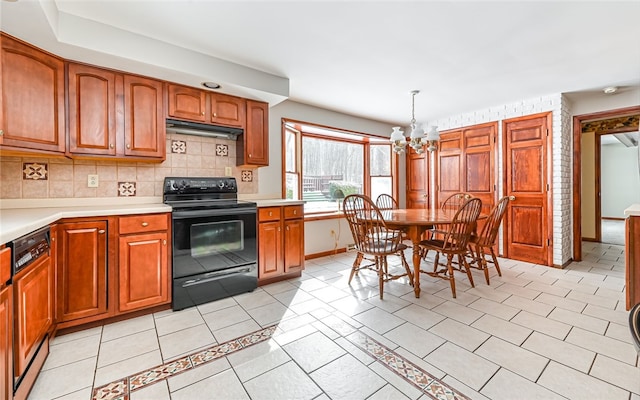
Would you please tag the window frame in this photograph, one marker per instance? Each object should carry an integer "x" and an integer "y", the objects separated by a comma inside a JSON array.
[{"x": 306, "y": 129}]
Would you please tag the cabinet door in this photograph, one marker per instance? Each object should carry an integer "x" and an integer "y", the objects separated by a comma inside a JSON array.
[
  {"x": 143, "y": 271},
  {"x": 34, "y": 304},
  {"x": 92, "y": 110},
  {"x": 144, "y": 125},
  {"x": 293, "y": 245},
  {"x": 32, "y": 113},
  {"x": 417, "y": 179},
  {"x": 187, "y": 103},
  {"x": 270, "y": 262},
  {"x": 6, "y": 322},
  {"x": 82, "y": 270},
  {"x": 227, "y": 110},
  {"x": 256, "y": 135}
]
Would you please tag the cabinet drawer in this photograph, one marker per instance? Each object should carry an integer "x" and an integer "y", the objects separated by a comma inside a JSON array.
[
  {"x": 143, "y": 223},
  {"x": 291, "y": 212},
  {"x": 269, "y": 213}
]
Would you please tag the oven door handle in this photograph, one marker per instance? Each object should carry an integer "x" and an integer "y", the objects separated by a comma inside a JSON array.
[
  {"x": 215, "y": 276},
  {"x": 213, "y": 213}
]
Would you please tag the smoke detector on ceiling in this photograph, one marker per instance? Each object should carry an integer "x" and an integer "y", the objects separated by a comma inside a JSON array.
[{"x": 610, "y": 89}]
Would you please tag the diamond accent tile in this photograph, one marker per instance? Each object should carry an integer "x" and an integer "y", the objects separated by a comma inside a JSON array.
[
  {"x": 126, "y": 189},
  {"x": 178, "y": 146},
  {"x": 35, "y": 171},
  {"x": 247, "y": 176},
  {"x": 222, "y": 150},
  {"x": 404, "y": 368},
  {"x": 122, "y": 388}
]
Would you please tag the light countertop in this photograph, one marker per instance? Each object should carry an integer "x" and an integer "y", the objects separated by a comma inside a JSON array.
[
  {"x": 278, "y": 202},
  {"x": 15, "y": 222},
  {"x": 633, "y": 210}
]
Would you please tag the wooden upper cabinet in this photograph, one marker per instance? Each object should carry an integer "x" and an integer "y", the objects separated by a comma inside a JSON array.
[
  {"x": 32, "y": 112},
  {"x": 227, "y": 110},
  {"x": 144, "y": 124},
  {"x": 187, "y": 103},
  {"x": 254, "y": 146},
  {"x": 92, "y": 110}
]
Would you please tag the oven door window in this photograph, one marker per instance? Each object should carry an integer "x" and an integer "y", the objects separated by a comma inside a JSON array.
[{"x": 216, "y": 237}]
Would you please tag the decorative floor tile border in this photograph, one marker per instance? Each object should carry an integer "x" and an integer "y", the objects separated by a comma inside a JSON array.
[
  {"x": 416, "y": 376},
  {"x": 120, "y": 389}
]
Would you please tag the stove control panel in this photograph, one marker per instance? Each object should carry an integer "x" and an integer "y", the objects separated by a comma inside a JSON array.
[{"x": 200, "y": 185}]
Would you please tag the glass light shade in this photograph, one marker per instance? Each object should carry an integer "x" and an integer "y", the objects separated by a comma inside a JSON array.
[
  {"x": 433, "y": 134},
  {"x": 417, "y": 132},
  {"x": 397, "y": 134}
]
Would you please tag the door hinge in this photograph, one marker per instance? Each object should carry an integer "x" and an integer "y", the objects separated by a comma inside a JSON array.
[
  {"x": 548, "y": 242},
  {"x": 547, "y": 131},
  {"x": 495, "y": 187},
  {"x": 548, "y": 187}
]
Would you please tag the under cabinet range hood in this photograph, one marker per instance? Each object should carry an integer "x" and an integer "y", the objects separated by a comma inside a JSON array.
[{"x": 195, "y": 128}]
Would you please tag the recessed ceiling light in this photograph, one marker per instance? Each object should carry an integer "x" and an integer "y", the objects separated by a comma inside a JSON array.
[
  {"x": 211, "y": 85},
  {"x": 610, "y": 89}
]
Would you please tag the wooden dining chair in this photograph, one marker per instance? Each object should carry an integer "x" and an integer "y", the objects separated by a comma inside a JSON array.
[
  {"x": 454, "y": 244},
  {"x": 373, "y": 238},
  {"x": 452, "y": 203},
  {"x": 481, "y": 245},
  {"x": 386, "y": 202}
]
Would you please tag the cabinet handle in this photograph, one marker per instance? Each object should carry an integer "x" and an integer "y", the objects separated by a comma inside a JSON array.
[
  {"x": 295, "y": 212},
  {"x": 101, "y": 231},
  {"x": 111, "y": 146},
  {"x": 164, "y": 242},
  {"x": 215, "y": 114},
  {"x": 279, "y": 229},
  {"x": 202, "y": 113},
  {"x": 424, "y": 196},
  {"x": 512, "y": 198},
  {"x": 287, "y": 228},
  {"x": 270, "y": 213},
  {"x": 128, "y": 146},
  {"x": 145, "y": 224},
  {"x": 1, "y": 132},
  {"x": 249, "y": 155}
]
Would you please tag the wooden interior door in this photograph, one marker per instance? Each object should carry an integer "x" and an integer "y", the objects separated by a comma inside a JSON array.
[
  {"x": 450, "y": 157},
  {"x": 527, "y": 172},
  {"x": 417, "y": 179}
]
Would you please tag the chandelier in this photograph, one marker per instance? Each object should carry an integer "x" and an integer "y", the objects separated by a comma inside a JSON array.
[{"x": 417, "y": 138}]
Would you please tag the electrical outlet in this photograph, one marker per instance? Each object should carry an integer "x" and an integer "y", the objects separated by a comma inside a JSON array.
[
  {"x": 227, "y": 171},
  {"x": 92, "y": 181}
]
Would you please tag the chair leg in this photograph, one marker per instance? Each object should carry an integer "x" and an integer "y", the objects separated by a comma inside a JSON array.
[
  {"x": 356, "y": 266},
  {"x": 495, "y": 261},
  {"x": 464, "y": 264},
  {"x": 406, "y": 267},
  {"x": 452, "y": 279},
  {"x": 382, "y": 268}
]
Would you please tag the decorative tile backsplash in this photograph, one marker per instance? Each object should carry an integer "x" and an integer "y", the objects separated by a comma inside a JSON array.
[
  {"x": 34, "y": 177},
  {"x": 34, "y": 171}
]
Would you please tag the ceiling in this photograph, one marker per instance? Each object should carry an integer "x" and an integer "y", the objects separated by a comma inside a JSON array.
[{"x": 356, "y": 57}]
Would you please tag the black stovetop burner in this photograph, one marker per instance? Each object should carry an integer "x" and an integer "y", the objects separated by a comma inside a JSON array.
[{"x": 202, "y": 192}]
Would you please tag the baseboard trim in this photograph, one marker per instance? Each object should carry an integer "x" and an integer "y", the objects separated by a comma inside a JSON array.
[
  {"x": 584, "y": 239},
  {"x": 613, "y": 218},
  {"x": 324, "y": 253}
]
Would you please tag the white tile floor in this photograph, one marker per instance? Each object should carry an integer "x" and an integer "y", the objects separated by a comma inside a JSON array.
[{"x": 536, "y": 332}]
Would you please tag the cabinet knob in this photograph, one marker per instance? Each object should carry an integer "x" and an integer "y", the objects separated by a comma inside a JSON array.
[
  {"x": 1, "y": 132},
  {"x": 128, "y": 146},
  {"x": 270, "y": 213},
  {"x": 512, "y": 198},
  {"x": 111, "y": 146},
  {"x": 295, "y": 212},
  {"x": 279, "y": 229},
  {"x": 215, "y": 114},
  {"x": 287, "y": 228},
  {"x": 249, "y": 155},
  {"x": 164, "y": 242},
  {"x": 425, "y": 196},
  {"x": 202, "y": 113},
  {"x": 101, "y": 231},
  {"x": 145, "y": 224}
]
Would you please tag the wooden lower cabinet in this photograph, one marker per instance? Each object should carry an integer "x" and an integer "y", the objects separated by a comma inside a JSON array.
[
  {"x": 82, "y": 270},
  {"x": 632, "y": 261},
  {"x": 143, "y": 267},
  {"x": 6, "y": 329},
  {"x": 280, "y": 242},
  {"x": 34, "y": 301}
]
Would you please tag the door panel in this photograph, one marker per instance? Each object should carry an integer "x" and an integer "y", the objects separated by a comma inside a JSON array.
[
  {"x": 527, "y": 176},
  {"x": 417, "y": 180}
]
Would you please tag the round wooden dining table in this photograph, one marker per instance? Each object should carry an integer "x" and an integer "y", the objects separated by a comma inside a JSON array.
[{"x": 414, "y": 222}]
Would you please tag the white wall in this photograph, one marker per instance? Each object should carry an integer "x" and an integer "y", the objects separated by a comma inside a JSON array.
[{"x": 620, "y": 181}]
